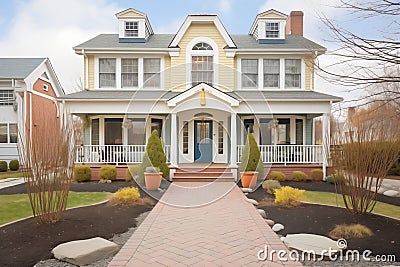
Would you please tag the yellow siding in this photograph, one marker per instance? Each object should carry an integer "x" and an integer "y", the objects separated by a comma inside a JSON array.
[
  {"x": 167, "y": 72},
  {"x": 226, "y": 65},
  {"x": 90, "y": 72},
  {"x": 84, "y": 73},
  {"x": 131, "y": 14},
  {"x": 309, "y": 62}
]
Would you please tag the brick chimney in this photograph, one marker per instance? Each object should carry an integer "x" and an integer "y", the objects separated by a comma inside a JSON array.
[{"x": 294, "y": 23}]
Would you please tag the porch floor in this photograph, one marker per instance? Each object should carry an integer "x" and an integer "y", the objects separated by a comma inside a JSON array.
[{"x": 201, "y": 225}]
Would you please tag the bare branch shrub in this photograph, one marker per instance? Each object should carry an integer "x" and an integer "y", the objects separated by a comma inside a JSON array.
[
  {"x": 47, "y": 155},
  {"x": 366, "y": 147}
]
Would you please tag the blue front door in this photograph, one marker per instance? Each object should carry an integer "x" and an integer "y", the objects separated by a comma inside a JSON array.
[{"x": 203, "y": 141}]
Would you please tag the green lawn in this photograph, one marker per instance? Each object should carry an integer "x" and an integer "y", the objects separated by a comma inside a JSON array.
[
  {"x": 337, "y": 200},
  {"x": 11, "y": 175},
  {"x": 14, "y": 207}
]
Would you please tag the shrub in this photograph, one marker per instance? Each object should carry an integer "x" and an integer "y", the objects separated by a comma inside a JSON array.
[
  {"x": 154, "y": 157},
  {"x": 132, "y": 171},
  {"x": 108, "y": 172},
  {"x": 350, "y": 231},
  {"x": 126, "y": 196},
  {"x": 3, "y": 166},
  {"x": 299, "y": 176},
  {"x": 270, "y": 186},
  {"x": 335, "y": 179},
  {"x": 395, "y": 169},
  {"x": 317, "y": 174},
  {"x": 14, "y": 165},
  {"x": 82, "y": 173},
  {"x": 250, "y": 160},
  {"x": 288, "y": 196},
  {"x": 278, "y": 176}
]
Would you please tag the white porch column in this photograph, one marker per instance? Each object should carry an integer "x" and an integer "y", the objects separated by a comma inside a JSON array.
[
  {"x": 326, "y": 141},
  {"x": 233, "y": 160},
  {"x": 174, "y": 146}
]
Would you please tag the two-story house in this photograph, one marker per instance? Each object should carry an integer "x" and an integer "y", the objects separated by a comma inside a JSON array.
[
  {"x": 203, "y": 89},
  {"x": 29, "y": 88}
]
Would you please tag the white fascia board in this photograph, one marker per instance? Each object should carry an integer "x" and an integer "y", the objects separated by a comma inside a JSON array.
[
  {"x": 125, "y": 50},
  {"x": 276, "y": 51},
  {"x": 198, "y": 88},
  {"x": 202, "y": 18}
]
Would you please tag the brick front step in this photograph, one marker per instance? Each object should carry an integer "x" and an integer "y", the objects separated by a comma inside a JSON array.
[
  {"x": 180, "y": 174},
  {"x": 203, "y": 179}
]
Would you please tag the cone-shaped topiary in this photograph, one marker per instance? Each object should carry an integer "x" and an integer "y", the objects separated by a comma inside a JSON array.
[
  {"x": 250, "y": 160},
  {"x": 154, "y": 157}
]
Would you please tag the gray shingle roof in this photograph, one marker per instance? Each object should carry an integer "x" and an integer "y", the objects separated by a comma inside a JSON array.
[
  {"x": 111, "y": 41},
  {"x": 18, "y": 68},
  {"x": 283, "y": 95},
  {"x": 245, "y": 41},
  {"x": 104, "y": 95},
  {"x": 162, "y": 41}
]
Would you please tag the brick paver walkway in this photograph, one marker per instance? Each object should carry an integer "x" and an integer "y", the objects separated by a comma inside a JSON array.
[{"x": 227, "y": 232}]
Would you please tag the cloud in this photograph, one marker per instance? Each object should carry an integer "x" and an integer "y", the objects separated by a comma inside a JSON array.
[
  {"x": 225, "y": 6},
  {"x": 48, "y": 28}
]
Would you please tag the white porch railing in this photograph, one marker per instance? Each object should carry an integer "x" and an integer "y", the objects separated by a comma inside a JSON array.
[
  {"x": 114, "y": 154},
  {"x": 283, "y": 154}
]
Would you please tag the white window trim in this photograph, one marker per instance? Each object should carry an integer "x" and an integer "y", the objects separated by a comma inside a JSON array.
[
  {"x": 281, "y": 74},
  {"x": 141, "y": 25},
  {"x": 292, "y": 119},
  {"x": 118, "y": 84},
  {"x": 262, "y": 29},
  {"x": 8, "y": 133},
  {"x": 189, "y": 53}
]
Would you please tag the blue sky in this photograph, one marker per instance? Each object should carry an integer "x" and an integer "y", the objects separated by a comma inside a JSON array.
[{"x": 50, "y": 28}]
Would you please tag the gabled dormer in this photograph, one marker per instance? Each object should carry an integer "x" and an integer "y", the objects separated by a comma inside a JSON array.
[
  {"x": 269, "y": 27},
  {"x": 134, "y": 26}
]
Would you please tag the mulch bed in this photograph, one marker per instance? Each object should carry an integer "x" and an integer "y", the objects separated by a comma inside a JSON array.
[
  {"x": 25, "y": 243},
  {"x": 320, "y": 220}
]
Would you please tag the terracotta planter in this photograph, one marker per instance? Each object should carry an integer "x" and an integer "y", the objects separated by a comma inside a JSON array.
[
  {"x": 152, "y": 180},
  {"x": 249, "y": 179}
]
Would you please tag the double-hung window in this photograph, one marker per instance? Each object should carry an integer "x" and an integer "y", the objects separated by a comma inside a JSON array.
[
  {"x": 151, "y": 72},
  {"x": 292, "y": 73},
  {"x": 272, "y": 29},
  {"x": 6, "y": 97},
  {"x": 8, "y": 133},
  {"x": 271, "y": 73},
  {"x": 107, "y": 72},
  {"x": 249, "y": 73},
  {"x": 129, "y": 72},
  {"x": 202, "y": 69},
  {"x": 131, "y": 29}
]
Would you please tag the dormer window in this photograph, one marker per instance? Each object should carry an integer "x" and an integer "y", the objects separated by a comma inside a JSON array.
[
  {"x": 131, "y": 29},
  {"x": 272, "y": 30}
]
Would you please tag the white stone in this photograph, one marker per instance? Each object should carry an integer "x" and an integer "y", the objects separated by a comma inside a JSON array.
[
  {"x": 246, "y": 194},
  {"x": 252, "y": 201},
  {"x": 262, "y": 213},
  {"x": 283, "y": 238},
  {"x": 270, "y": 222},
  {"x": 82, "y": 252},
  {"x": 278, "y": 227},
  {"x": 247, "y": 190},
  {"x": 306, "y": 242},
  {"x": 391, "y": 193},
  {"x": 381, "y": 190}
]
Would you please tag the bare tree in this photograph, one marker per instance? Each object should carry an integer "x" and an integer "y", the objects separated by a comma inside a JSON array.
[
  {"x": 47, "y": 155},
  {"x": 361, "y": 60}
]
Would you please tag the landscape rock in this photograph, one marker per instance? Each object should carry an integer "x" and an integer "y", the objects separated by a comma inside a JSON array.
[
  {"x": 246, "y": 194},
  {"x": 391, "y": 193},
  {"x": 252, "y": 201},
  {"x": 82, "y": 252},
  {"x": 382, "y": 190},
  {"x": 262, "y": 213},
  {"x": 278, "y": 227},
  {"x": 270, "y": 222},
  {"x": 309, "y": 242},
  {"x": 246, "y": 190}
]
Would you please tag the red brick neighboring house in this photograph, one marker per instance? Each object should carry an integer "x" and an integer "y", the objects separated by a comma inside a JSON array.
[{"x": 28, "y": 91}]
